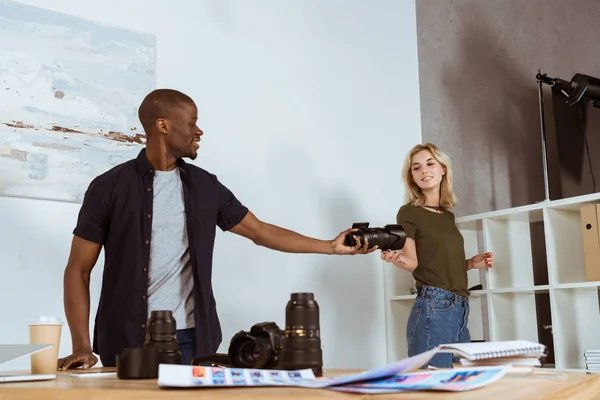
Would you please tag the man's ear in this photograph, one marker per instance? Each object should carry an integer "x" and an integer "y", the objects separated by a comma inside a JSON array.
[{"x": 162, "y": 125}]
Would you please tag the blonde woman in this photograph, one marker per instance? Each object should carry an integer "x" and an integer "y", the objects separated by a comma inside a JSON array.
[{"x": 434, "y": 253}]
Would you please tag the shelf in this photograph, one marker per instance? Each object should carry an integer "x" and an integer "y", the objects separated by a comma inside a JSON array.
[
  {"x": 566, "y": 260},
  {"x": 476, "y": 318},
  {"x": 574, "y": 203},
  {"x": 522, "y": 290},
  {"x": 510, "y": 242},
  {"x": 577, "y": 285},
  {"x": 403, "y": 298},
  {"x": 577, "y": 324},
  {"x": 528, "y": 213},
  {"x": 474, "y": 294},
  {"x": 512, "y": 316}
]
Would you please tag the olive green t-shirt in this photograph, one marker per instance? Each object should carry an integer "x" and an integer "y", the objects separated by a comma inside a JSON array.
[{"x": 440, "y": 248}]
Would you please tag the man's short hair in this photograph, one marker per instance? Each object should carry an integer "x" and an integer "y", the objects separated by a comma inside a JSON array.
[{"x": 159, "y": 103}]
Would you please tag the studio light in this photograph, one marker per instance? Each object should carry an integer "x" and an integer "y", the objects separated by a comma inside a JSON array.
[
  {"x": 584, "y": 87},
  {"x": 581, "y": 88}
]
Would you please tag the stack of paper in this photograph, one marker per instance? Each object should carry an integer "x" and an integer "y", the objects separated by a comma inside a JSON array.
[
  {"x": 509, "y": 352},
  {"x": 592, "y": 359}
]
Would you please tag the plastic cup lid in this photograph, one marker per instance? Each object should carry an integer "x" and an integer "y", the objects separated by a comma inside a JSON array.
[{"x": 47, "y": 320}]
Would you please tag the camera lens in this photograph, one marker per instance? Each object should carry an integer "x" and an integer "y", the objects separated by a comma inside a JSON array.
[
  {"x": 390, "y": 237},
  {"x": 302, "y": 344},
  {"x": 247, "y": 351},
  {"x": 161, "y": 334}
]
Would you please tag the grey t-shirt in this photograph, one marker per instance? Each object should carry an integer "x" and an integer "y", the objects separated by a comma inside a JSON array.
[{"x": 171, "y": 283}]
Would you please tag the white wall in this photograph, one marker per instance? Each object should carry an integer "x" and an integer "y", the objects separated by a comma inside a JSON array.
[{"x": 308, "y": 109}]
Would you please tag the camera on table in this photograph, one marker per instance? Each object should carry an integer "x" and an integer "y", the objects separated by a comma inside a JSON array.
[
  {"x": 390, "y": 237},
  {"x": 259, "y": 348},
  {"x": 160, "y": 347},
  {"x": 266, "y": 346}
]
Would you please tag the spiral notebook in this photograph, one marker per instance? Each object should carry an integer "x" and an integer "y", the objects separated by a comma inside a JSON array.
[{"x": 507, "y": 349}]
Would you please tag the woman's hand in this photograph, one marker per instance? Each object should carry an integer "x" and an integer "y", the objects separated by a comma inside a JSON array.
[
  {"x": 482, "y": 261},
  {"x": 398, "y": 259},
  {"x": 405, "y": 259},
  {"x": 393, "y": 256}
]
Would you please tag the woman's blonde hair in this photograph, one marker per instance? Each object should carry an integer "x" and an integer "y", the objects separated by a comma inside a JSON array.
[{"x": 413, "y": 193}]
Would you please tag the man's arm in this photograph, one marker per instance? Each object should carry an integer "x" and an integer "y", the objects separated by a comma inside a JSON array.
[
  {"x": 82, "y": 258},
  {"x": 281, "y": 239}
]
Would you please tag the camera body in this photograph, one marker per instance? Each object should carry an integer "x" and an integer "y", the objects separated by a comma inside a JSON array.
[
  {"x": 266, "y": 346},
  {"x": 258, "y": 348},
  {"x": 390, "y": 237}
]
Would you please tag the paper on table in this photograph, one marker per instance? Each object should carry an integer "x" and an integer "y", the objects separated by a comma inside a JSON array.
[
  {"x": 454, "y": 380},
  {"x": 170, "y": 375},
  {"x": 441, "y": 380},
  {"x": 391, "y": 378}
]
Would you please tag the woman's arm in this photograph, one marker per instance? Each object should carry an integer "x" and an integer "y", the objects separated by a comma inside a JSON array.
[
  {"x": 469, "y": 264},
  {"x": 405, "y": 259},
  {"x": 481, "y": 261}
]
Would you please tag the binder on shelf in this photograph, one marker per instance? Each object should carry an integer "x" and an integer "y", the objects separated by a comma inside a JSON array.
[{"x": 590, "y": 229}]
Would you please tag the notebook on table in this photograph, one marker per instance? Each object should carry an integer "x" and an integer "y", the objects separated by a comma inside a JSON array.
[
  {"x": 10, "y": 352},
  {"x": 514, "y": 352}
]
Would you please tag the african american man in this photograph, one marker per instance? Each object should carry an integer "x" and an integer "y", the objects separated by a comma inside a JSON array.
[{"x": 156, "y": 218}]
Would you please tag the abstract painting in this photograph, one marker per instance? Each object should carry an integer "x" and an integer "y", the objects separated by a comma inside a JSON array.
[{"x": 69, "y": 93}]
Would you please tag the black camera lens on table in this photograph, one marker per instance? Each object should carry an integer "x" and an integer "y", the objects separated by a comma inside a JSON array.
[
  {"x": 160, "y": 347},
  {"x": 266, "y": 346},
  {"x": 161, "y": 334},
  {"x": 302, "y": 344}
]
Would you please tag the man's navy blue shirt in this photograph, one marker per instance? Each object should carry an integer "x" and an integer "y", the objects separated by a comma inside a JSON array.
[{"x": 117, "y": 213}]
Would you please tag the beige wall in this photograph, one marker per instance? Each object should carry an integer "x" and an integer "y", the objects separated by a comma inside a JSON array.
[{"x": 477, "y": 63}]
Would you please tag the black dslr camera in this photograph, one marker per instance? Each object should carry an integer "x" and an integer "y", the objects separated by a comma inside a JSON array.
[
  {"x": 390, "y": 237},
  {"x": 260, "y": 348},
  {"x": 266, "y": 346}
]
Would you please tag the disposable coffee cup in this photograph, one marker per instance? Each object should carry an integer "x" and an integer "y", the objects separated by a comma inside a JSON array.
[{"x": 45, "y": 330}]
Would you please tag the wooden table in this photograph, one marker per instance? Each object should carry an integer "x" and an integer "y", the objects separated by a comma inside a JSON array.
[{"x": 574, "y": 385}]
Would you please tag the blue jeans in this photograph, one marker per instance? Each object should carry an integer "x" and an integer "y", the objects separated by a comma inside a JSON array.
[
  {"x": 187, "y": 345},
  {"x": 437, "y": 317}
]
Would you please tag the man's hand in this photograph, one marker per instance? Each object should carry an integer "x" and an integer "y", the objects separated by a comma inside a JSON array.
[
  {"x": 84, "y": 359},
  {"x": 482, "y": 261},
  {"x": 340, "y": 248}
]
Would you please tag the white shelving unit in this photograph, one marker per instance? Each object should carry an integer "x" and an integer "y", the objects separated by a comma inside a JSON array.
[{"x": 505, "y": 308}]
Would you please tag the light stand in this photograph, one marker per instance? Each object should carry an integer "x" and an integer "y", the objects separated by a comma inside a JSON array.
[
  {"x": 581, "y": 87},
  {"x": 540, "y": 78}
]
